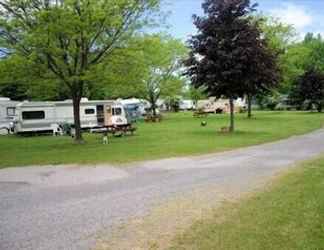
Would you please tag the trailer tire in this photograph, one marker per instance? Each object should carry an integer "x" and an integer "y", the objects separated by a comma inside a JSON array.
[{"x": 4, "y": 131}]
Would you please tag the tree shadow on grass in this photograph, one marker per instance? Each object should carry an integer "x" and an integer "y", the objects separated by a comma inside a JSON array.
[{"x": 217, "y": 132}]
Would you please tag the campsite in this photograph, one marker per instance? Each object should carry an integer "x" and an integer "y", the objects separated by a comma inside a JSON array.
[
  {"x": 161, "y": 125},
  {"x": 179, "y": 134}
]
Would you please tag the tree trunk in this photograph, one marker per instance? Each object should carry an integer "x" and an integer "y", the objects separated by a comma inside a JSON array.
[
  {"x": 231, "y": 128},
  {"x": 153, "y": 109},
  {"x": 77, "y": 122},
  {"x": 249, "y": 100},
  {"x": 319, "y": 107}
]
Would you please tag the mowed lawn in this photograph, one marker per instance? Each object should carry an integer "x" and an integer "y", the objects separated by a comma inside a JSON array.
[
  {"x": 178, "y": 135},
  {"x": 288, "y": 215}
]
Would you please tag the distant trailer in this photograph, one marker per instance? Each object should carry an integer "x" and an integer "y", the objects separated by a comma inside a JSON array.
[
  {"x": 51, "y": 116},
  {"x": 7, "y": 115},
  {"x": 218, "y": 106},
  {"x": 186, "y": 105}
]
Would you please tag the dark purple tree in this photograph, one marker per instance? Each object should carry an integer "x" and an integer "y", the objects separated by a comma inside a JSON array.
[
  {"x": 309, "y": 87},
  {"x": 262, "y": 74},
  {"x": 226, "y": 50}
]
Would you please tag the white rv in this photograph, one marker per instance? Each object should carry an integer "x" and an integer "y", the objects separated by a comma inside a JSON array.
[
  {"x": 186, "y": 105},
  {"x": 136, "y": 108},
  {"x": 214, "y": 105},
  {"x": 50, "y": 116},
  {"x": 7, "y": 114}
]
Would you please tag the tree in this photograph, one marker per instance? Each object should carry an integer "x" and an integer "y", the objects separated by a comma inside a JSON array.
[
  {"x": 161, "y": 61},
  {"x": 309, "y": 87},
  {"x": 195, "y": 94},
  {"x": 22, "y": 79},
  {"x": 278, "y": 34},
  {"x": 147, "y": 66},
  {"x": 222, "y": 51},
  {"x": 299, "y": 58},
  {"x": 263, "y": 73},
  {"x": 278, "y": 38},
  {"x": 70, "y": 37}
]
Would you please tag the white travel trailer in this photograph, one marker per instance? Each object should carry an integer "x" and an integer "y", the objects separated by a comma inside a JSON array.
[
  {"x": 136, "y": 108},
  {"x": 50, "y": 116},
  {"x": 7, "y": 114},
  {"x": 186, "y": 105},
  {"x": 214, "y": 105}
]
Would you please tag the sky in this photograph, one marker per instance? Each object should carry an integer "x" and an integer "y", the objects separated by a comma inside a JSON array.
[{"x": 304, "y": 15}]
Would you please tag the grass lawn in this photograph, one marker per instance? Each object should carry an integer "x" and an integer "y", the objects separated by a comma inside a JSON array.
[
  {"x": 178, "y": 135},
  {"x": 288, "y": 215}
]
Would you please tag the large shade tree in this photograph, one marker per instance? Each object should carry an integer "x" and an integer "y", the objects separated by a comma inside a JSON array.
[
  {"x": 226, "y": 50},
  {"x": 163, "y": 58},
  {"x": 148, "y": 66},
  {"x": 70, "y": 37}
]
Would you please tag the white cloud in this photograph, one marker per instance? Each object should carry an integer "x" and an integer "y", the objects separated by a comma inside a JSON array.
[{"x": 293, "y": 14}]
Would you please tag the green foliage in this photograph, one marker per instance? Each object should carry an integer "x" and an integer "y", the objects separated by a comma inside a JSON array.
[
  {"x": 146, "y": 65},
  {"x": 309, "y": 88},
  {"x": 300, "y": 57},
  {"x": 194, "y": 94},
  {"x": 278, "y": 34},
  {"x": 71, "y": 38},
  {"x": 22, "y": 79},
  {"x": 293, "y": 64}
]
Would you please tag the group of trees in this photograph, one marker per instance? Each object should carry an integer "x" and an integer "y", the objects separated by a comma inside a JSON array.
[
  {"x": 306, "y": 86},
  {"x": 69, "y": 49}
]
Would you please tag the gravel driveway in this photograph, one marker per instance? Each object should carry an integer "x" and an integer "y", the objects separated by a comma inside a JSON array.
[{"x": 66, "y": 207}]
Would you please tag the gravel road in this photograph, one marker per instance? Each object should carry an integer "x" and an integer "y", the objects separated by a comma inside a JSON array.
[{"x": 66, "y": 207}]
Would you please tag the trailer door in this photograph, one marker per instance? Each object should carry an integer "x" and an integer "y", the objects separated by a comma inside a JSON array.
[
  {"x": 100, "y": 115},
  {"x": 108, "y": 115}
]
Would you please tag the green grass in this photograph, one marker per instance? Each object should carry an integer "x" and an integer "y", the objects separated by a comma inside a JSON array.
[
  {"x": 178, "y": 135},
  {"x": 288, "y": 215}
]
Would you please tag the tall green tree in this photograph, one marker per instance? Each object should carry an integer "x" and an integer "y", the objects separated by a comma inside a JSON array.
[
  {"x": 70, "y": 37},
  {"x": 22, "y": 79},
  {"x": 301, "y": 57},
  {"x": 161, "y": 60},
  {"x": 195, "y": 94},
  {"x": 148, "y": 67}
]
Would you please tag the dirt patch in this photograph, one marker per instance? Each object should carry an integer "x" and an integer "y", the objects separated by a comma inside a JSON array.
[
  {"x": 156, "y": 230},
  {"x": 173, "y": 216}
]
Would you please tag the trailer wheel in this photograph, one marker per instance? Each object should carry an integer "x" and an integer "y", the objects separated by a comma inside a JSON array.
[{"x": 4, "y": 131}]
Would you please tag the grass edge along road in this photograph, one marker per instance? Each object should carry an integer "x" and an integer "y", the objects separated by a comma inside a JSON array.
[
  {"x": 178, "y": 135},
  {"x": 289, "y": 214}
]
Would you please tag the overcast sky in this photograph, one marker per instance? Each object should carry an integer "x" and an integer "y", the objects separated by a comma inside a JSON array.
[{"x": 305, "y": 15}]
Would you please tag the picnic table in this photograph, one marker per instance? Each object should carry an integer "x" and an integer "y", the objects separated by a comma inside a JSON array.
[{"x": 116, "y": 131}]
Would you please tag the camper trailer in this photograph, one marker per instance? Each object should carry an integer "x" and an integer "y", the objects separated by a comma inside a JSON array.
[
  {"x": 186, "y": 105},
  {"x": 218, "y": 106},
  {"x": 135, "y": 108},
  {"x": 7, "y": 115},
  {"x": 51, "y": 116}
]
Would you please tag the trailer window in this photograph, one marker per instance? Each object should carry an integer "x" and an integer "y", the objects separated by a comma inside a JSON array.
[
  {"x": 117, "y": 111},
  {"x": 33, "y": 115},
  {"x": 89, "y": 111},
  {"x": 11, "y": 111}
]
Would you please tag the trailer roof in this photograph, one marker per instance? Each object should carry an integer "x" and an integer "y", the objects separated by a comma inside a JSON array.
[
  {"x": 64, "y": 103},
  {"x": 36, "y": 104},
  {"x": 94, "y": 102}
]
